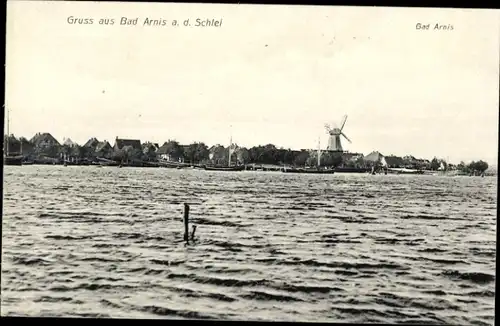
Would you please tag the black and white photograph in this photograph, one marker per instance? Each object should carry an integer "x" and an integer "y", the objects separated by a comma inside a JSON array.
[{"x": 250, "y": 162}]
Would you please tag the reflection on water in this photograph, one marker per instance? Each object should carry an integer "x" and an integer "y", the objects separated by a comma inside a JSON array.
[{"x": 82, "y": 241}]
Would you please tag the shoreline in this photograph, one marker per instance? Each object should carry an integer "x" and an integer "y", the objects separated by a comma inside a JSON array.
[{"x": 260, "y": 168}]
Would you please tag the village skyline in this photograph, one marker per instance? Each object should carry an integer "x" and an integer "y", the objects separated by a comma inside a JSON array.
[
  {"x": 68, "y": 141},
  {"x": 404, "y": 90}
]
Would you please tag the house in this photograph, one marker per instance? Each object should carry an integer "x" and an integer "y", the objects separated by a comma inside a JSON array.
[
  {"x": 170, "y": 151},
  {"x": 413, "y": 163},
  {"x": 375, "y": 158},
  {"x": 394, "y": 161},
  {"x": 217, "y": 153},
  {"x": 26, "y": 148},
  {"x": 149, "y": 150},
  {"x": 44, "y": 140},
  {"x": 103, "y": 149},
  {"x": 91, "y": 143},
  {"x": 242, "y": 155},
  {"x": 185, "y": 149},
  {"x": 68, "y": 142},
  {"x": 347, "y": 156},
  {"x": 148, "y": 147},
  {"x": 133, "y": 143}
]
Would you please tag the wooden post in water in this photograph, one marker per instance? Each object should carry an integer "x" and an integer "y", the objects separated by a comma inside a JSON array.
[{"x": 186, "y": 222}]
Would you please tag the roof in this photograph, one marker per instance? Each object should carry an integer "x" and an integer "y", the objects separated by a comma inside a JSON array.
[
  {"x": 69, "y": 142},
  {"x": 216, "y": 148},
  {"x": 374, "y": 157},
  {"x": 149, "y": 147},
  {"x": 349, "y": 154},
  {"x": 92, "y": 142},
  {"x": 43, "y": 138},
  {"x": 166, "y": 149},
  {"x": 394, "y": 160},
  {"x": 103, "y": 145},
  {"x": 162, "y": 149},
  {"x": 134, "y": 143}
]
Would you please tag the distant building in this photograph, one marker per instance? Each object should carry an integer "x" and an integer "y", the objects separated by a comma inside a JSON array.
[
  {"x": 242, "y": 155},
  {"x": 68, "y": 142},
  {"x": 217, "y": 153},
  {"x": 374, "y": 159},
  {"x": 347, "y": 156},
  {"x": 103, "y": 149},
  {"x": 413, "y": 163},
  {"x": 44, "y": 140},
  {"x": 121, "y": 143},
  {"x": 165, "y": 152},
  {"x": 148, "y": 147},
  {"x": 91, "y": 143},
  {"x": 394, "y": 161}
]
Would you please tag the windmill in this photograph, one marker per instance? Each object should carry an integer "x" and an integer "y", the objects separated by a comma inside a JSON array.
[{"x": 334, "y": 143}]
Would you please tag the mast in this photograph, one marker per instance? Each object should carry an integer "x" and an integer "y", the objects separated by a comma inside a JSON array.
[
  {"x": 230, "y": 146},
  {"x": 319, "y": 153},
  {"x": 7, "y": 140},
  {"x": 229, "y": 150}
]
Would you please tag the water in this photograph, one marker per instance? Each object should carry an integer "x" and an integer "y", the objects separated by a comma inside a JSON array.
[{"x": 84, "y": 241}]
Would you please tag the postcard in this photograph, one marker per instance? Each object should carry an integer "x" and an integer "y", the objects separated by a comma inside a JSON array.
[{"x": 250, "y": 162}]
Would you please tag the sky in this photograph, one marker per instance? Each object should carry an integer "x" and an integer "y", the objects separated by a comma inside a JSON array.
[{"x": 268, "y": 74}]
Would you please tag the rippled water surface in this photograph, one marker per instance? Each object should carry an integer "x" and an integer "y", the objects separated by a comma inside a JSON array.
[{"x": 84, "y": 241}]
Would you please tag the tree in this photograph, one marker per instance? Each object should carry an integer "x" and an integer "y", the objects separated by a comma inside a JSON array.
[
  {"x": 268, "y": 154},
  {"x": 51, "y": 151},
  {"x": 196, "y": 153},
  {"x": 312, "y": 159},
  {"x": 149, "y": 151},
  {"x": 301, "y": 158},
  {"x": 119, "y": 155},
  {"x": 218, "y": 155},
  {"x": 243, "y": 155},
  {"x": 461, "y": 166},
  {"x": 174, "y": 150},
  {"x": 360, "y": 162},
  {"x": 435, "y": 164},
  {"x": 84, "y": 153},
  {"x": 331, "y": 159},
  {"x": 65, "y": 149},
  {"x": 478, "y": 167},
  {"x": 133, "y": 154}
]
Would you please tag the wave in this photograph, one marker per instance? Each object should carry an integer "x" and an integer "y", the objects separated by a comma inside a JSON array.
[
  {"x": 229, "y": 282},
  {"x": 67, "y": 237},
  {"x": 350, "y": 248},
  {"x": 92, "y": 287},
  {"x": 306, "y": 288},
  {"x": 205, "y": 221},
  {"x": 30, "y": 261},
  {"x": 345, "y": 265},
  {"x": 52, "y": 299},
  {"x": 475, "y": 277},
  {"x": 164, "y": 311},
  {"x": 266, "y": 296},
  {"x": 398, "y": 301}
]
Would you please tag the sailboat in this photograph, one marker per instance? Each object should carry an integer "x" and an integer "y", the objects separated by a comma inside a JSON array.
[
  {"x": 8, "y": 158},
  {"x": 231, "y": 149}
]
